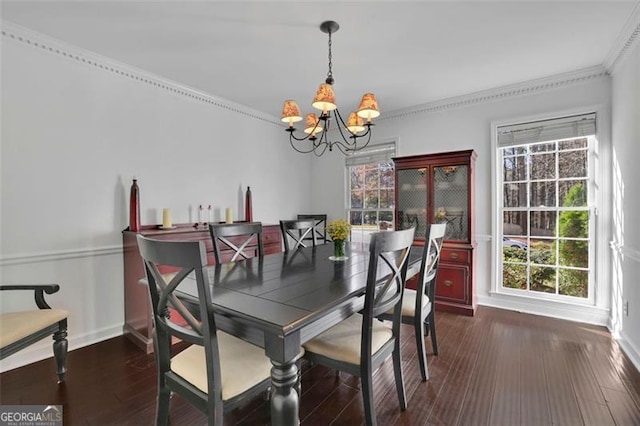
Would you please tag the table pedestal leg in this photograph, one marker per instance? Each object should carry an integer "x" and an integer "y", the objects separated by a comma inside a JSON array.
[{"x": 284, "y": 396}]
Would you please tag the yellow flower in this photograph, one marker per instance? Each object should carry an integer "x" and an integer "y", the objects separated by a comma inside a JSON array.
[{"x": 338, "y": 229}]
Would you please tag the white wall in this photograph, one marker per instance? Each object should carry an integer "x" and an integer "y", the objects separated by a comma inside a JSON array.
[
  {"x": 626, "y": 227},
  {"x": 76, "y": 128},
  {"x": 465, "y": 123}
]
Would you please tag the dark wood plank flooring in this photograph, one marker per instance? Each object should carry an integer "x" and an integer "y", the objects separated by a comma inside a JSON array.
[{"x": 497, "y": 368}]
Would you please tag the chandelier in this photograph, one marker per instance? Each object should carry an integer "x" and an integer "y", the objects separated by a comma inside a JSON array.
[{"x": 353, "y": 133}]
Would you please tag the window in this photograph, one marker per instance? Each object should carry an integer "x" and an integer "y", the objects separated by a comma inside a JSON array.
[
  {"x": 371, "y": 190},
  {"x": 547, "y": 227}
]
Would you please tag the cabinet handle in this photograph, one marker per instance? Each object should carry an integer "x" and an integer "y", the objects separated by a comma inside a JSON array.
[
  {"x": 453, "y": 256},
  {"x": 447, "y": 283}
]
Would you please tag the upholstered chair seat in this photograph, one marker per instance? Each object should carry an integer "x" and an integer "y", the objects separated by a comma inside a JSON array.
[
  {"x": 342, "y": 342},
  {"x": 242, "y": 365},
  {"x": 15, "y": 326},
  {"x": 24, "y": 328}
]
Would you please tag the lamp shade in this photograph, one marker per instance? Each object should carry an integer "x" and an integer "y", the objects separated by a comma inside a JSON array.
[
  {"x": 325, "y": 99},
  {"x": 354, "y": 123},
  {"x": 291, "y": 112},
  {"x": 368, "y": 107},
  {"x": 312, "y": 125}
]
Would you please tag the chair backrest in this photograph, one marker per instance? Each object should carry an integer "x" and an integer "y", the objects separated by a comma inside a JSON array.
[
  {"x": 430, "y": 260},
  {"x": 320, "y": 226},
  {"x": 386, "y": 273},
  {"x": 298, "y": 231},
  {"x": 167, "y": 265},
  {"x": 245, "y": 233}
]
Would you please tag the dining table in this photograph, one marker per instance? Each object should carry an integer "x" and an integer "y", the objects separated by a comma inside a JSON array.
[{"x": 280, "y": 301}]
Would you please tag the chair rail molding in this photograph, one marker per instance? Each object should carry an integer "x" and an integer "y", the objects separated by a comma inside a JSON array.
[
  {"x": 19, "y": 34},
  {"x": 626, "y": 251},
  {"x": 54, "y": 255}
]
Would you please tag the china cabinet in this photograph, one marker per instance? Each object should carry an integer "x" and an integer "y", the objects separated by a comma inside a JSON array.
[{"x": 439, "y": 188}]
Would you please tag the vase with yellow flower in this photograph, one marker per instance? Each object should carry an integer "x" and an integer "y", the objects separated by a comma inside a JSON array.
[{"x": 338, "y": 230}]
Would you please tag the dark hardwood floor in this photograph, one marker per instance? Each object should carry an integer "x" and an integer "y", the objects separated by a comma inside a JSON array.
[{"x": 497, "y": 368}]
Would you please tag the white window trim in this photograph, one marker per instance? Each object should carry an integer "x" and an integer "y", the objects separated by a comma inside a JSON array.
[{"x": 598, "y": 310}]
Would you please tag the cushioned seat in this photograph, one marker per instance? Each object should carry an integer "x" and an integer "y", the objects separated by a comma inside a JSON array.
[
  {"x": 240, "y": 365},
  {"x": 18, "y": 325},
  {"x": 23, "y": 328},
  {"x": 409, "y": 302},
  {"x": 342, "y": 342}
]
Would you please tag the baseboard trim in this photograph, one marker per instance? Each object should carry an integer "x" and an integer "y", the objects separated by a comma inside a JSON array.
[
  {"x": 629, "y": 349},
  {"x": 586, "y": 314},
  {"x": 43, "y": 349}
]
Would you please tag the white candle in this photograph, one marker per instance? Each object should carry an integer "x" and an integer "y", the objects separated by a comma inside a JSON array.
[
  {"x": 166, "y": 218},
  {"x": 229, "y": 216}
]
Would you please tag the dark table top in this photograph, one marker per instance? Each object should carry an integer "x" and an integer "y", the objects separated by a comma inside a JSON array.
[{"x": 282, "y": 293}]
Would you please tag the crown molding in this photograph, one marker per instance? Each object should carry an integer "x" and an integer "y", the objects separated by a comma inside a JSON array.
[
  {"x": 503, "y": 92},
  {"x": 16, "y": 33},
  {"x": 629, "y": 35}
]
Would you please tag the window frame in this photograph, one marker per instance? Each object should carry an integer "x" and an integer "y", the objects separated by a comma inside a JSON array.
[
  {"x": 597, "y": 207},
  {"x": 360, "y": 158},
  {"x": 556, "y": 208}
]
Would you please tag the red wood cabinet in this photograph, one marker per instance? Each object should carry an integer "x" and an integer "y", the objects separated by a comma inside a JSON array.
[
  {"x": 439, "y": 188},
  {"x": 137, "y": 308}
]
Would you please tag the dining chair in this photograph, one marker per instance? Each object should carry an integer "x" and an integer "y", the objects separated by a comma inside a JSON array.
[
  {"x": 298, "y": 231},
  {"x": 245, "y": 233},
  {"x": 217, "y": 372},
  {"x": 320, "y": 226},
  {"x": 360, "y": 344},
  {"x": 24, "y": 328},
  {"x": 418, "y": 307}
]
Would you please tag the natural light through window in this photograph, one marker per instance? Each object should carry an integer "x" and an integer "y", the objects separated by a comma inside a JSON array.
[
  {"x": 371, "y": 191},
  {"x": 547, "y": 226}
]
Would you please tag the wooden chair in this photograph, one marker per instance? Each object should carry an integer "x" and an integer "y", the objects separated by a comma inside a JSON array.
[
  {"x": 245, "y": 233},
  {"x": 320, "y": 226},
  {"x": 359, "y": 344},
  {"x": 417, "y": 305},
  {"x": 21, "y": 329},
  {"x": 298, "y": 231},
  {"x": 218, "y": 372}
]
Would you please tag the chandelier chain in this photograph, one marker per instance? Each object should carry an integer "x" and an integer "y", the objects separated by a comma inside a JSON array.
[{"x": 330, "y": 73}]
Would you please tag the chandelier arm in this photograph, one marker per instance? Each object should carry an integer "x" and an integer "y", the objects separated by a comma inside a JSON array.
[
  {"x": 291, "y": 139},
  {"x": 344, "y": 138},
  {"x": 343, "y": 149},
  {"x": 294, "y": 137},
  {"x": 324, "y": 148},
  {"x": 358, "y": 148}
]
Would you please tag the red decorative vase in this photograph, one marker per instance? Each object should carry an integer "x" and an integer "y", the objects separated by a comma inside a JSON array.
[
  {"x": 134, "y": 207},
  {"x": 248, "y": 207}
]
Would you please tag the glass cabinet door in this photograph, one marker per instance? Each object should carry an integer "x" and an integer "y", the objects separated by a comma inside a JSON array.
[
  {"x": 412, "y": 200},
  {"x": 451, "y": 200}
]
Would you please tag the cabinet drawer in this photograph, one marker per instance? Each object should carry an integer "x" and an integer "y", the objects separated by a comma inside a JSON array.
[
  {"x": 452, "y": 283},
  {"x": 271, "y": 235},
  {"x": 454, "y": 255},
  {"x": 187, "y": 236}
]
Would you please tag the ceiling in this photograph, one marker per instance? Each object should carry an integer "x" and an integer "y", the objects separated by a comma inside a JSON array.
[{"x": 260, "y": 53}]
